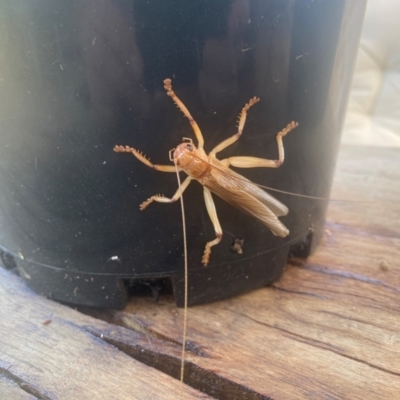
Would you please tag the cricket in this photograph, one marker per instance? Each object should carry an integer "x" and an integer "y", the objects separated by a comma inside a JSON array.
[{"x": 216, "y": 177}]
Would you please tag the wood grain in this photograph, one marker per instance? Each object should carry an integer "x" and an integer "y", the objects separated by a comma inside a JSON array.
[
  {"x": 11, "y": 390},
  {"x": 68, "y": 357}
]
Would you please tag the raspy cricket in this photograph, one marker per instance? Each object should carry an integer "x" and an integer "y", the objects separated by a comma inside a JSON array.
[{"x": 216, "y": 177}]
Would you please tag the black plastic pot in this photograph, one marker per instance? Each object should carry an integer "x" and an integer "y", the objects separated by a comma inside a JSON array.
[{"x": 78, "y": 78}]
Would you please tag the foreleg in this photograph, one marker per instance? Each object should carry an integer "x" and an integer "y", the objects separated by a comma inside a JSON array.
[
  {"x": 182, "y": 107},
  {"x": 163, "y": 199},
  {"x": 242, "y": 121},
  {"x": 143, "y": 159}
]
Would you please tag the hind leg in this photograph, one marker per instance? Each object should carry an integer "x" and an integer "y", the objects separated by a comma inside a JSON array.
[
  {"x": 254, "y": 162},
  {"x": 212, "y": 212}
]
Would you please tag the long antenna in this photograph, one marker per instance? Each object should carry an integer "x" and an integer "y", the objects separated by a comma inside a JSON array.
[
  {"x": 185, "y": 296},
  {"x": 286, "y": 192}
]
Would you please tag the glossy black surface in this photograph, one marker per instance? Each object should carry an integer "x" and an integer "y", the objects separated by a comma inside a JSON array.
[{"x": 81, "y": 77}]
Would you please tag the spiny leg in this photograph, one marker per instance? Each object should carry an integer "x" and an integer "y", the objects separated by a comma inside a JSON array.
[
  {"x": 162, "y": 199},
  {"x": 279, "y": 137},
  {"x": 236, "y": 136},
  {"x": 254, "y": 162},
  {"x": 212, "y": 212},
  {"x": 182, "y": 107},
  {"x": 143, "y": 159}
]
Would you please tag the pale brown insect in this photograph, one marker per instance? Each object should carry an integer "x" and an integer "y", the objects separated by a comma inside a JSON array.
[{"x": 216, "y": 176}]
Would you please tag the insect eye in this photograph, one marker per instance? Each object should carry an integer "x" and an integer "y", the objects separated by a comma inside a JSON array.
[{"x": 189, "y": 147}]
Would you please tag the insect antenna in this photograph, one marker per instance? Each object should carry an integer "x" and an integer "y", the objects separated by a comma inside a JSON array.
[
  {"x": 286, "y": 192},
  {"x": 185, "y": 295}
]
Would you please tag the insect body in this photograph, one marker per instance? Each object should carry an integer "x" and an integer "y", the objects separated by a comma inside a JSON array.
[{"x": 216, "y": 176}]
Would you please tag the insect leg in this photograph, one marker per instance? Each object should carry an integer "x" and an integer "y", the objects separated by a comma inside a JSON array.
[
  {"x": 162, "y": 199},
  {"x": 279, "y": 137},
  {"x": 143, "y": 159},
  {"x": 217, "y": 227},
  {"x": 182, "y": 107},
  {"x": 250, "y": 162},
  {"x": 236, "y": 136},
  {"x": 254, "y": 162}
]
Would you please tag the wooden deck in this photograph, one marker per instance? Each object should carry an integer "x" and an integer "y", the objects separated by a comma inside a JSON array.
[{"x": 329, "y": 329}]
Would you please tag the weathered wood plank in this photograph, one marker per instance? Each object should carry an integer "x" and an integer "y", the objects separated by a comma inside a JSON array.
[
  {"x": 370, "y": 174},
  {"x": 11, "y": 390},
  {"x": 63, "y": 359},
  {"x": 302, "y": 343}
]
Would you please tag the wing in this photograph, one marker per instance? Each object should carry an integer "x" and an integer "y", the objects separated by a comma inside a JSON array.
[{"x": 246, "y": 196}]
